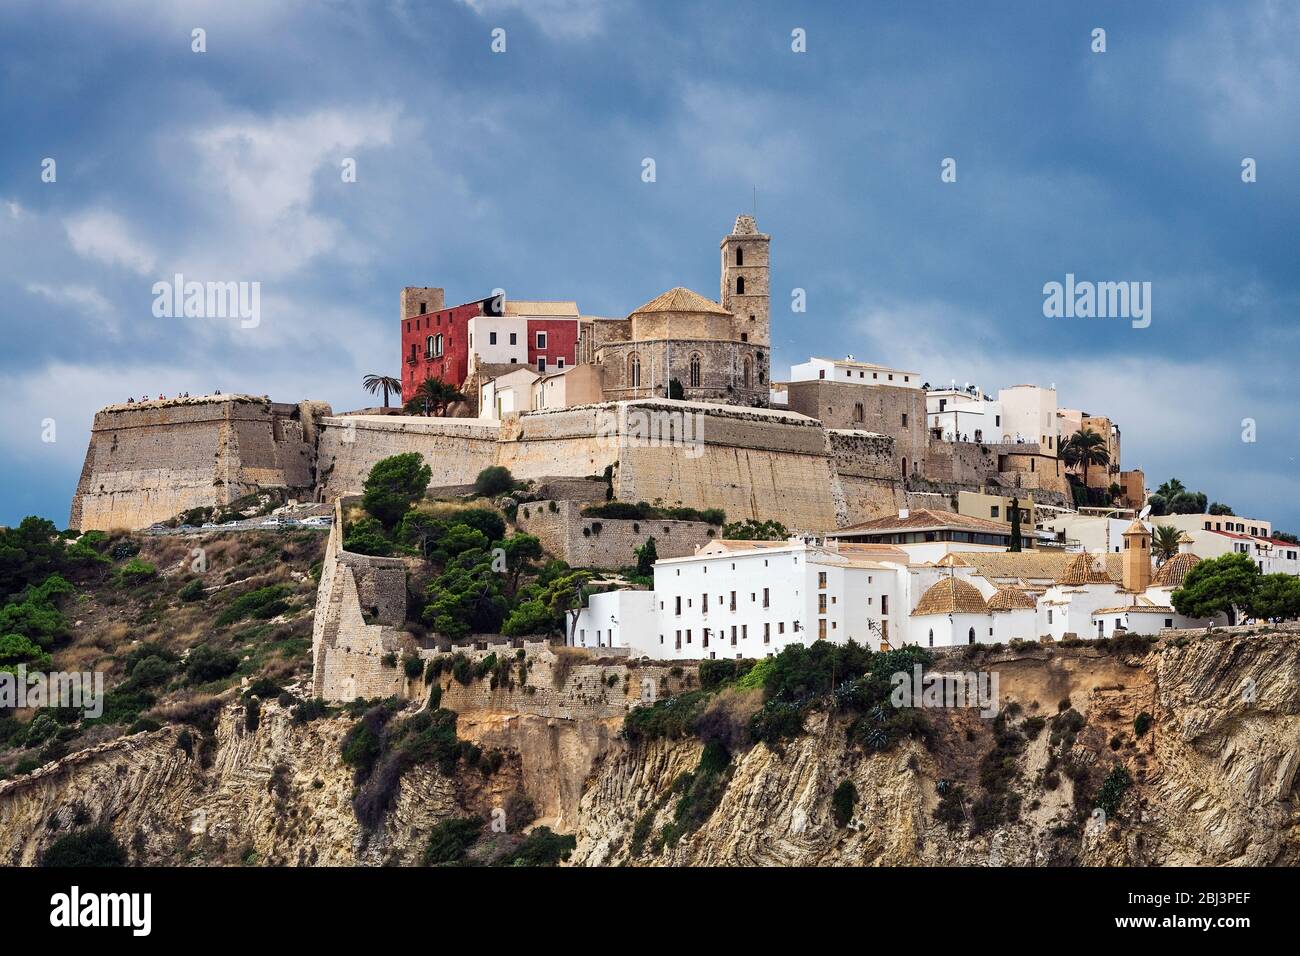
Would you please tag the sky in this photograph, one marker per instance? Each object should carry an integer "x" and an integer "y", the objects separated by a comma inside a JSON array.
[{"x": 523, "y": 170}]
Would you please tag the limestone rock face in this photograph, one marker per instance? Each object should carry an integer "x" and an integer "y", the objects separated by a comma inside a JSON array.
[{"x": 1214, "y": 778}]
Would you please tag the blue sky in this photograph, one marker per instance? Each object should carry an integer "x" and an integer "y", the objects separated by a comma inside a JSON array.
[{"x": 523, "y": 170}]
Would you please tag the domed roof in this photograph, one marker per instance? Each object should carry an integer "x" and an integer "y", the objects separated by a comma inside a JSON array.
[
  {"x": 681, "y": 300},
  {"x": 1083, "y": 569},
  {"x": 951, "y": 595},
  {"x": 1172, "y": 573},
  {"x": 1009, "y": 599}
]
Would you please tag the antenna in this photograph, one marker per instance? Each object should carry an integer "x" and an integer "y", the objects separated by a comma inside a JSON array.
[{"x": 1145, "y": 511}]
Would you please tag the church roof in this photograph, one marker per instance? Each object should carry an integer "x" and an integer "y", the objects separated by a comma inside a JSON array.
[
  {"x": 1172, "y": 573},
  {"x": 1008, "y": 599},
  {"x": 1137, "y": 527},
  {"x": 1083, "y": 569},
  {"x": 951, "y": 595},
  {"x": 681, "y": 300}
]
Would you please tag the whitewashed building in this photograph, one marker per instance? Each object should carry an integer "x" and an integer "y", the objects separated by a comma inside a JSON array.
[{"x": 849, "y": 370}]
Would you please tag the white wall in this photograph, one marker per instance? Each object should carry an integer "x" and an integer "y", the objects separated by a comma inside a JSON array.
[
  {"x": 1029, "y": 411},
  {"x": 618, "y": 619},
  {"x": 481, "y": 329}
]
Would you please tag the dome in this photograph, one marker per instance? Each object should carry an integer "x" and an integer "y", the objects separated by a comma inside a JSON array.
[
  {"x": 681, "y": 300},
  {"x": 1082, "y": 569},
  {"x": 1010, "y": 599},
  {"x": 951, "y": 595},
  {"x": 1173, "y": 572}
]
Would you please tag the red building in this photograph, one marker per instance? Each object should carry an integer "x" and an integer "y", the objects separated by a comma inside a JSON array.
[
  {"x": 436, "y": 344},
  {"x": 552, "y": 343}
]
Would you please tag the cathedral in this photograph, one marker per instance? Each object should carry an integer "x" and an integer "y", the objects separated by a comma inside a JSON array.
[{"x": 682, "y": 345}]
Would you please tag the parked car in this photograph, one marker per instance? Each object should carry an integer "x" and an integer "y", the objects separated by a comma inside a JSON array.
[
  {"x": 273, "y": 522},
  {"x": 318, "y": 521}
]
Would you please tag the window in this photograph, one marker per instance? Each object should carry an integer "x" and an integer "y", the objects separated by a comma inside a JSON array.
[
  {"x": 541, "y": 363},
  {"x": 695, "y": 370},
  {"x": 780, "y": 627},
  {"x": 514, "y": 338},
  {"x": 993, "y": 511},
  {"x": 932, "y": 637},
  {"x": 970, "y": 638},
  {"x": 733, "y": 635},
  {"x": 744, "y": 632},
  {"x": 704, "y": 603},
  {"x": 766, "y": 601},
  {"x": 821, "y": 373},
  {"x": 821, "y": 628},
  {"x": 821, "y": 604},
  {"x": 740, "y": 256},
  {"x": 679, "y": 640},
  {"x": 559, "y": 362},
  {"x": 859, "y": 414},
  {"x": 821, "y": 579},
  {"x": 688, "y": 635},
  {"x": 1169, "y": 622},
  {"x": 740, "y": 285},
  {"x": 744, "y": 336},
  {"x": 904, "y": 419},
  {"x": 423, "y": 308},
  {"x": 634, "y": 370},
  {"x": 678, "y": 605},
  {"x": 884, "y": 604},
  {"x": 541, "y": 340},
  {"x": 492, "y": 338},
  {"x": 1049, "y": 615},
  {"x": 767, "y": 633},
  {"x": 748, "y": 372},
  {"x": 733, "y": 601},
  {"x": 704, "y": 639}
]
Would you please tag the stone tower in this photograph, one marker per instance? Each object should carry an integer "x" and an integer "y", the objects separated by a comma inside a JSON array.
[
  {"x": 418, "y": 300},
  {"x": 745, "y": 287},
  {"x": 1137, "y": 558}
]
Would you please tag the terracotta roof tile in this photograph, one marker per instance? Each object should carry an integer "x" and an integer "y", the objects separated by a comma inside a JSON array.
[
  {"x": 951, "y": 595},
  {"x": 1173, "y": 572},
  {"x": 681, "y": 300}
]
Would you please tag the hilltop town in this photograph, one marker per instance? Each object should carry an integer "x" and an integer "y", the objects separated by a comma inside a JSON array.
[
  {"x": 605, "y": 575},
  {"x": 863, "y": 502}
]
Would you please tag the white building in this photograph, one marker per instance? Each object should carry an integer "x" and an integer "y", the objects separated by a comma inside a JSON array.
[
  {"x": 1029, "y": 415},
  {"x": 963, "y": 414},
  {"x": 849, "y": 370},
  {"x": 926, "y": 536},
  {"x": 616, "y": 619},
  {"x": 505, "y": 394},
  {"x": 754, "y": 598}
]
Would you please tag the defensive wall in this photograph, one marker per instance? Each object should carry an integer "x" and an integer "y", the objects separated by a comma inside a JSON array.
[
  {"x": 149, "y": 461},
  {"x": 591, "y": 542}
]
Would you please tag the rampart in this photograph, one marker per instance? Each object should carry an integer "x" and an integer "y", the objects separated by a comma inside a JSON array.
[
  {"x": 591, "y": 542},
  {"x": 149, "y": 461}
]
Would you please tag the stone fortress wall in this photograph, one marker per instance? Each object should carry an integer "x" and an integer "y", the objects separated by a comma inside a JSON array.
[
  {"x": 610, "y": 543},
  {"x": 148, "y": 461}
]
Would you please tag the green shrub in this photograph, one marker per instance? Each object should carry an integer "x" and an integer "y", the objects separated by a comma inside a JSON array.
[
  {"x": 192, "y": 591},
  {"x": 262, "y": 603},
  {"x": 207, "y": 663},
  {"x": 135, "y": 572},
  {"x": 449, "y": 840},
  {"x": 95, "y": 846},
  {"x": 494, "y": 480},
  {"x": 670, "y": 718},
  {"x": 393, "y": 485},
  {"x": 412, "y": 666},
  {"x": 1141, "y": 723},
  {"x": 541, "y": 848},
  {"x": 1113, "y": 789}
]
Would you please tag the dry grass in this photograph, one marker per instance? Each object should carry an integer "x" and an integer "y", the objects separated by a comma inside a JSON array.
[{"x": 565, "y": 659}]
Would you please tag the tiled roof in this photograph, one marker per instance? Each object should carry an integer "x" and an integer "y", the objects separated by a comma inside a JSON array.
[
  {"x": 1137, "y": 527},
  {"x": 1008, "y": 599},
  {"x": 1083, "y": 568},
  {"x": 924, "y": 518},
  {"x": 1172, "y": 573},
  {"x": 681, "y": 300},
  {"x": 951, "y": 595},
  {"x": 1134, "y": 609}
]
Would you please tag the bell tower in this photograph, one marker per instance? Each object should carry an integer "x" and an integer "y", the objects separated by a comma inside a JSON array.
[
  {"x": 745, "y": 291},
  {"x": 1137, "y": 558}
]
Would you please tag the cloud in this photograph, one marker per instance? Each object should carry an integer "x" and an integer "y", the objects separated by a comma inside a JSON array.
[
  {"x": 106, "y": 237},
  {"x": 557, "y": 19}
]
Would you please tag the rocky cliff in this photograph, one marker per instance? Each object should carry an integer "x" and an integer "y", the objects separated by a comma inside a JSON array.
[{"x": 1205, "y": 726}]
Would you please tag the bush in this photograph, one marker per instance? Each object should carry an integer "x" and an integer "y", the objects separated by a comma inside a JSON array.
[
  {"x": 93, "y": 847},
  {"x": 541, "y": 848},
  {"x": 366, "y": 536},
  {"x": 412, "y": 666},
  {"x": 843, "y": 800},
  {"x": 193, "y": 591},
  {"x": 670, "y": 718},
  {"x": 262, "y": 603},
  {"x": 494, "y": 480},
  {"x": 449, "y": 840},
  {"x": 207, "y": 663},
  {"x": 715, "y": 673},
  {"x": 135, "y": 572},
  {"x": 1113, "y": 789},
  {"x": 1141, "y": 723}
]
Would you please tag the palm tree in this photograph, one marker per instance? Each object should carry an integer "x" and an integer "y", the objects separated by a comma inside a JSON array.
[
  {"x": 1085, "y": 447},
  {"x": 373, "y": 383},
  {"x": 433, "y": 396},
  {"x": 1164, "y": 542}
]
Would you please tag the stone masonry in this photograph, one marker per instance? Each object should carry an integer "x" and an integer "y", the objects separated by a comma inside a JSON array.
[{"x": 589, "y": 542}]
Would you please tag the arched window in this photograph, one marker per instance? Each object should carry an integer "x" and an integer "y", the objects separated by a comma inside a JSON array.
[
  {"x": 695, "y": 370},
  {"x": 904, "y": 469},
  {"x": 859, "y": 413},
  {"x": 428, "y": 347},
  {"x": 634, "y": 370},
  {"x": 932, "y": 637},
  {"x": 970, "y": 638},
  {"x": 748, "y": 367},
  {"x": 740, "y": 256},
  {"x": 740, "y": 285}
]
